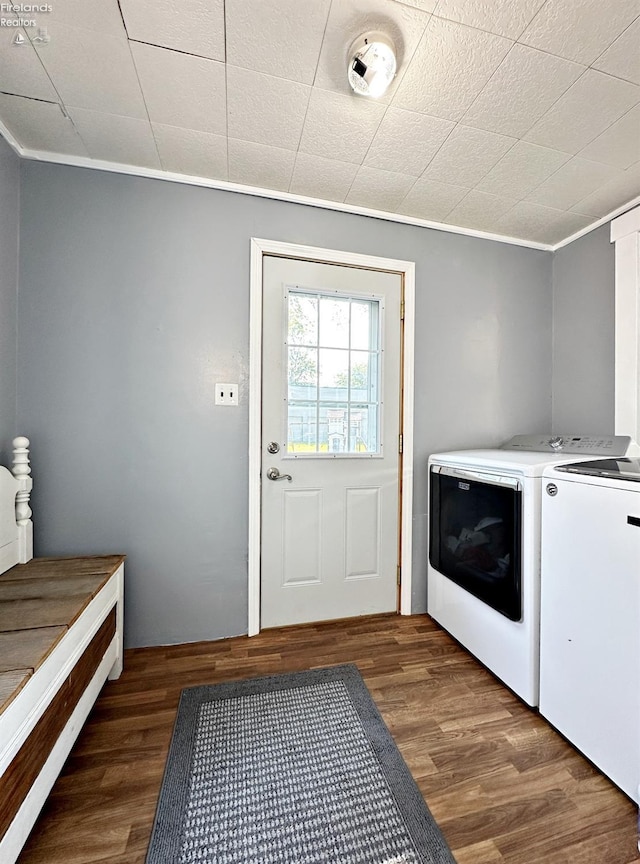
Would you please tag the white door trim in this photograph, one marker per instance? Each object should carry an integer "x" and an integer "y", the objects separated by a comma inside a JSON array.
[
  {"x": 625, "y": 233},
  {"x": 259, "y": 248}
]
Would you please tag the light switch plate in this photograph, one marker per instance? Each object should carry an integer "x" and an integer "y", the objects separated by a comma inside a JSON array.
[{"x": 226, "y": 394}]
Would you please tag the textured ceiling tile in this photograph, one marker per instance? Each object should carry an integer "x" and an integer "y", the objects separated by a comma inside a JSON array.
[
  {"x": 589, "y": 107},
  {"x": 443, "y": 171},
  {"x": 572, "y": 182},
  {"x": 92, "y": 70},
  {"x": 465, "y": 61},
  {"x": 316, "y": 177},
  {"x": 450, "y": 67},
  {"x": 431, "y": 200},
  {"x": 579, "y": 30},
  {"x": 278, "y": 37},
  {"x": 265, "y": 109},
  {"x": 186, "y": 151},
  {"x": 504, "y": 17},
  {"x": 467, "y": 156},
  {"x": 425, "y": 5},
  {"x": 619, "y": 145},
  {"x": 525, "y": 219},
  {"x": 21, "y": 71},
  {"x": 564, "y": 226},
  {"x": 116, "y": 139},
  {"x": 479, "y": 210},
  {"x": 103, "y": 16},
  {"x": 181, "y": 90},
  {"x": 258, "y": 165},
  {"x": 406, "y": 141},
  {"x": 522, "y": 89},
  {"x": 622, "y": 58},
  {"x": 192, "y": 26},
  {"x": 340, "y": 127},
  {"x": 403, "y": 24},
  {"x": 40, "y": 125},
  {"x": 540, "y": 224},
  {"x": 379, "y": 190},
  {"x": 612, "y": 195},
  {"x": 523, "y": 168}
]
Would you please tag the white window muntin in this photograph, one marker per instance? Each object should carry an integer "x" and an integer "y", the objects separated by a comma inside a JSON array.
[{"x": 379, "y": 353}]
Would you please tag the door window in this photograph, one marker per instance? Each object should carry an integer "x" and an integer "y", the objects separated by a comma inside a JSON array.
[{"x": 333, "y": 374}]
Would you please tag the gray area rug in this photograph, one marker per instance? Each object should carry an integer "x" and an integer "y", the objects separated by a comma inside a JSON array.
[{"x": 289, "y": 769}]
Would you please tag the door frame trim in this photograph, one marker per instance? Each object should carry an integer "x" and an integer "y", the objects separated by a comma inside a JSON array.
[{"x": 260, "y": 248}]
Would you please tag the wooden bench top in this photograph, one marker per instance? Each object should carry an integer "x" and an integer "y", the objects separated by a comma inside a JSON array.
[{"x": 39, "y": 601}]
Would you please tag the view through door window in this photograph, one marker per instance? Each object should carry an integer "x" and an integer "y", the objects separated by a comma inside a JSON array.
[{"x": 333, "y": 369}]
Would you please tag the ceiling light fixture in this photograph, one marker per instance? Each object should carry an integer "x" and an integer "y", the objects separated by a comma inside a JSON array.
[{"x": 372, "y": 64}]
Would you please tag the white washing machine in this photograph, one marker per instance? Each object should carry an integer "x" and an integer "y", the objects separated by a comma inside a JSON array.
[
  {"x": 483, "y": 576},
  {"x": 590, "y": 612}
]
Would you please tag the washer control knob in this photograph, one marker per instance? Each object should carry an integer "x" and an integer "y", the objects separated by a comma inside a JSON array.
[
  {"x": 552, "y": 489},
  {"x": 556, "y": 443}
]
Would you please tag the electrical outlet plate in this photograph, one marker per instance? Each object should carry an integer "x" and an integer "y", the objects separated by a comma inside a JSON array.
[{"x": 226, "y": 394}]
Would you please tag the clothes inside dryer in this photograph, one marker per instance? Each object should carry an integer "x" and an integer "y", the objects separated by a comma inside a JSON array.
[{"x": 475, "y": 539}]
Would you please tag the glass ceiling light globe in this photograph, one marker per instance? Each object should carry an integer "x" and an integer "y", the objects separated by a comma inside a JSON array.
[{"x": 372, "y": 65}]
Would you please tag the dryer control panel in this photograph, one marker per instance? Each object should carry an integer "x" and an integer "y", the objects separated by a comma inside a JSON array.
[{"x": 589, "y": 445}]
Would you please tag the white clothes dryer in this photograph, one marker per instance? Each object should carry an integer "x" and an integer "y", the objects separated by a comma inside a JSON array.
[{"x": 483, "y": 577}]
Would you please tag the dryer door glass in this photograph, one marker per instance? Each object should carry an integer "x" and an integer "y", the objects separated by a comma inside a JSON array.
[{"x": 475, "y": 537}]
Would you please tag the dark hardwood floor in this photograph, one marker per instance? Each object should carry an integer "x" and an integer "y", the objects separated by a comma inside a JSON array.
[{"x": 501, "y": 783}]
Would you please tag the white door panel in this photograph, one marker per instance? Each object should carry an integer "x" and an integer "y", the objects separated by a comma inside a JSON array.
[{"x": 331, "y": 401}]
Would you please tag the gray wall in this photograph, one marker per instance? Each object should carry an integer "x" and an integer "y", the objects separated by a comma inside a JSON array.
[
  {"x": 137, "y": 301},
  {"x": 9, "y": 220},
  {"x": 584, "y": 335}
]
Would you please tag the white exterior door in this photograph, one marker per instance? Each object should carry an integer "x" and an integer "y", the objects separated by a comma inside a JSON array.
[{"x": 331, "y": 408}]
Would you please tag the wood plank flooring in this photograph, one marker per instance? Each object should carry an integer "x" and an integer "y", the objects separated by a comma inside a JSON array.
[{"x": 500, "y": 782}]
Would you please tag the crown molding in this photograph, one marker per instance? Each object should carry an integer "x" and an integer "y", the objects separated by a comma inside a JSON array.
[
  {"x": 226, "y": 186},
  {"x": 602, "y": 221},
  {"x": 628, "y": 223}
]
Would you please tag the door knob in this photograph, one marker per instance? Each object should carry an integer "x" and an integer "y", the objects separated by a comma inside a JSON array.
[{"x": 274, "y": 474}]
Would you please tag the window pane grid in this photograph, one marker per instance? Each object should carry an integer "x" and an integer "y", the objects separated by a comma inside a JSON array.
[{"x": 333, "y": 353}]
